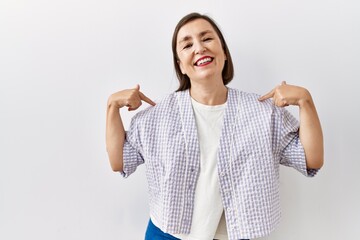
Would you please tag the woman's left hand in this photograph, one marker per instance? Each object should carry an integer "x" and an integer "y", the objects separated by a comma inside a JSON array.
[
  {"x": 284, "y": 95},
  {"x": 310, "y": 129}
]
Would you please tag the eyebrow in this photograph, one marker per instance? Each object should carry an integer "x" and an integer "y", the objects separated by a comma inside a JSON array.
[{"x": 201, "y": 34}]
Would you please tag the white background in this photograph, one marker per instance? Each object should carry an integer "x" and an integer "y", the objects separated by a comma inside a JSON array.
[{"x": 60, "y": 60}]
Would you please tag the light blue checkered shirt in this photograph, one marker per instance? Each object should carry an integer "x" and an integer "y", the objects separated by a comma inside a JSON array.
[{"x": 256, "y": 138}]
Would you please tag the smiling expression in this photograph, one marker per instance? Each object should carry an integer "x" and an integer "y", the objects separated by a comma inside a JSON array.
[{"x": 201, "y": 55}]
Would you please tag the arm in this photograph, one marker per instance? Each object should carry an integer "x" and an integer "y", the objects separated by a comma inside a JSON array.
[
  {"x": 310, "y": 129},
  {"x": 115, "y": 137},
  {"x": 115, "y": 132},
  {"x": 310, "y": 133}
]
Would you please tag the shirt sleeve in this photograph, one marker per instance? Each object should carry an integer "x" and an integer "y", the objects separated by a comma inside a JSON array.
[
  {"x": 292, "y": 152},
  {"x": 132, "y": 156}
]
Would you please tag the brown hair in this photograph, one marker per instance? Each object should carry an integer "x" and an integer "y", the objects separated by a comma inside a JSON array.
[{"x": 184, "y": 80}]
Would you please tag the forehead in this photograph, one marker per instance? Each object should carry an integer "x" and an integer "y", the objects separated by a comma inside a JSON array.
[{"x": 194, "y": 28}]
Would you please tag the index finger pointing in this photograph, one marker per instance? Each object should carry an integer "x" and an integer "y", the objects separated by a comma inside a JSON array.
[
  {"x": 146, "y": 99},
  {"x": 267, "y": 96}
]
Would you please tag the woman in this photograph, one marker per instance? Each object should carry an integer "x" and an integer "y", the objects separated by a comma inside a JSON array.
[{"x": 213, "y": 153}]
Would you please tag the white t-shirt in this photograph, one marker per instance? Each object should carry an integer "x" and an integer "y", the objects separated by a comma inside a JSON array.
[{"x": 208, "y": 220}]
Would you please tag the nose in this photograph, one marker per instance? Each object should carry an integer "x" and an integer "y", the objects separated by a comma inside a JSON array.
[{"x": 200, "y": 48}]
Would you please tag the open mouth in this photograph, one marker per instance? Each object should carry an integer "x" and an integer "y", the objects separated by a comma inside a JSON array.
[{"x": 203, "y": 61}]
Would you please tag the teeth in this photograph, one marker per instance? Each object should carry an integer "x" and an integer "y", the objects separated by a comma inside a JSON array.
[{"x": 204, "y": 60}]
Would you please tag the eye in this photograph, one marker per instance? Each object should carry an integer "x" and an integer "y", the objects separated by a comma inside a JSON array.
[
  {"x": 189, "y": 45},
  {"x": 207, "y": 39}
]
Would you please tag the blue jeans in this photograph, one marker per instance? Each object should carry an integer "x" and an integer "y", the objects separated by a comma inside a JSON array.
[{"x": 155, "y": 233}]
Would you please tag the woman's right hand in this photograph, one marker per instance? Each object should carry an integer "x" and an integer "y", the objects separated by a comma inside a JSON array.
[
  {"x": 131, "y": 98},
  {"x": 115, "y": 132}
]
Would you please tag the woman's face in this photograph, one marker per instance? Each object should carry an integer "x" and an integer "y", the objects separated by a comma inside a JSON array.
[{"x": 201, "y": 55}]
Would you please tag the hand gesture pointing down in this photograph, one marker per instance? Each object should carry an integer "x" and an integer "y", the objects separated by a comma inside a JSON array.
[
  {"x": 131, "y": 98},
  {"x": 284, "y": 95}
]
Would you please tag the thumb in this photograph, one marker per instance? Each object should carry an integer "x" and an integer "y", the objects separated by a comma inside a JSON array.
[{"x": 137, "y": 87}]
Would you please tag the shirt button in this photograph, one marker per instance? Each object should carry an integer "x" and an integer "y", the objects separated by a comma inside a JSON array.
[
  {"x": 222, "y": 174},
  {"x": 229, "y": 209}
]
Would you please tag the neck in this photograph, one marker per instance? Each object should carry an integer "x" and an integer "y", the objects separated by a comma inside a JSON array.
[{"x": 209, "y": 94}]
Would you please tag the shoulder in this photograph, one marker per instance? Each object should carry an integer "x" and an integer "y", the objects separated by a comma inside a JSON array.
[
  {"x": 164, "y": 106},
  {"x": 250, "y": 100}
]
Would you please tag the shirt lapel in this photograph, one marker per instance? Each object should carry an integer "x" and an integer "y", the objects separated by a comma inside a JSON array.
[
  {"x": 227, "y": 131},
  {"x": 189, "y": 129}
]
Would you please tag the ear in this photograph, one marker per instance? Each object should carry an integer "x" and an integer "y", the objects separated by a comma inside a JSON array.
[{"x": 181, "y": 67}]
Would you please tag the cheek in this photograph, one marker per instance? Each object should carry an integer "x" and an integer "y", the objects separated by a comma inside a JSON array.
[
  {"x": 184, "y": 59},
  {"x": 181, "y": 67}
]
